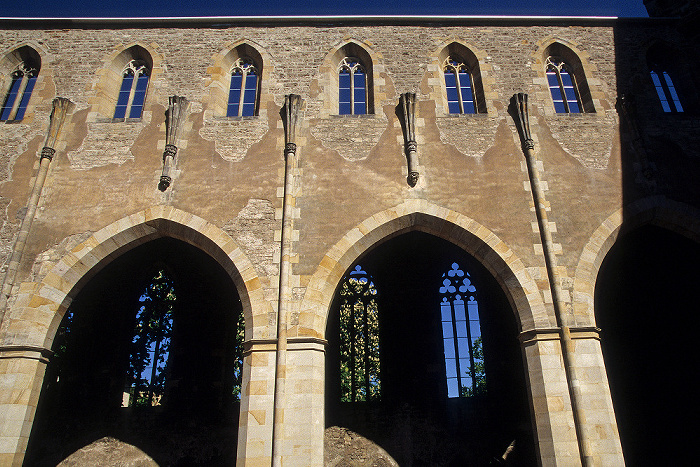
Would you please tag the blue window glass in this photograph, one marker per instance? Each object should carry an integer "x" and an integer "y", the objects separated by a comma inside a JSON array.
[
  {"x": 132, "y": 94},
  {"x": 139, "y": 96},
  {"x": 243, "y": 92},
  {"x": 461, "y": 332},
  {"x": 562, "y": 87},
  {"x": 670, "y": 102},
  {"x": 459, "y": 87},
  {"x": 352, "y": 88},
  {"x": 11, "y": 97},
  {"x": 17, "y": 98}
]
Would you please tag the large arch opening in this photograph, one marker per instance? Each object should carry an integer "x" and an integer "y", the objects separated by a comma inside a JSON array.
[
  {"x": 409, "y": 407},
  {"x": 191, "y": 418},
  {"x": 644, "y": 305}
]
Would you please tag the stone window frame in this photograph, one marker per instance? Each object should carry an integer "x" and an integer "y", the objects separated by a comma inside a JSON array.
[
  {"x": 21, "y": 60},
  {"x": 219, "y": 78},
  {"x": 330, "y": 82},
  {"x": 245, "y": 67},
  {"x": 107, "y": 84},
  {"x": 479, "y": 63},
  {"x": 464, "y": 57},
  {"x": 590, "y": 89},
  {"x": 354, "y": 67}
]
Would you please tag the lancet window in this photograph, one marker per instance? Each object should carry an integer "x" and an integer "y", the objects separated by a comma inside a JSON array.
[
  {"x": 359, "y": 338},
  {"x": 17, "y": 97},
  {"x": 352, "y": 90},
  {"x": 461, "y": 332},
  {"x": 243, "y": 91},
  {"x": 132, "y": 93},
  {"x": 562, "y": 86},
  {"x": 459, "y": 84}
]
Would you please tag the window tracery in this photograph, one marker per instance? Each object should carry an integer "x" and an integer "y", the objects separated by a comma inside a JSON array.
[
  {"x": 461, "y": 332},
  {"x": 243, "y": 90},
  {"x": 359, "y": 338},
  {"x": 562, "y": 86},
  {"x": 19, "y": 93},
  {"x": 352, "y": 87},
  {"x": 459, "y": 84},
  {"x": 132, "y": 93}
]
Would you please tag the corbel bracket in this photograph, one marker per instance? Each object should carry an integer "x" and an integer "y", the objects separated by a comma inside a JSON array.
[
  {"x": 174, "y": 117},
  {"x": 407, "y": 103}
]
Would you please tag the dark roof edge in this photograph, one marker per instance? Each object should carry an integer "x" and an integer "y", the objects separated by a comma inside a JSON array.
[{"x": 229, "y": 21}]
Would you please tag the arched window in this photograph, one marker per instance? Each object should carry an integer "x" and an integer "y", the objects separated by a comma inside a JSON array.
[
  {"x": 461, "y": 332},
  {"x": 132, "y": 93},
  {"x": 150, "y": 345},
  {"x": 666, "y": 91},
  {"x": 667, "y": 78},
  {"x": 459, "y": 83},
  {"x": 352, "y": 87},
  {"x": 17, "y": 97},
  {"x": 563, "y": 87},
  {"x": 243, "y": 91},
  {"x": 359, "y": 338}
]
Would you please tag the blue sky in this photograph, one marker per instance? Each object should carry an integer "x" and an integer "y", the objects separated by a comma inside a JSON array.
[{"x": 131, "y": 8}]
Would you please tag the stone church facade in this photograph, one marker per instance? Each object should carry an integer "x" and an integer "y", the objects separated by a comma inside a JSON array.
[{"x": 261, "y": 162}]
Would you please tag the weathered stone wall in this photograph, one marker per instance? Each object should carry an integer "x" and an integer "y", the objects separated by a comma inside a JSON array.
[{"x": 229, "y": 173}]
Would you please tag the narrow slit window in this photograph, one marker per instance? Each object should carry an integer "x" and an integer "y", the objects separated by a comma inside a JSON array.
[
  {"x": 459, "y": 84},
  {"x": 461, "y": 331},
  {"x": 359, "y": 338},
  {"x": 132, "y": 94},
  {"x": 352, "y": 87},
  {"x": 562, "y": 86},
  {"x": 17, "y": 97},
  {"x": 243, "y": 91}
]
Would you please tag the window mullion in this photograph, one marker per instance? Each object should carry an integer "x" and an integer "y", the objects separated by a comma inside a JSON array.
[
  {"x": 132, "y": 92},
  {"x": 562, "y": 90},
  {"x": 352, "y": 91},
  {"x": 459, "y": 91},
  {"x": 454, "y": 342},
  {"x": 18, "y": 97}
]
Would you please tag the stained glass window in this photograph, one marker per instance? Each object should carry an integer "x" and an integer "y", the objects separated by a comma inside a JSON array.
[
  {"x": 461, "y": 331},
  {"x": 562, "y": 86},
  {"x": 359, "y": 338}
]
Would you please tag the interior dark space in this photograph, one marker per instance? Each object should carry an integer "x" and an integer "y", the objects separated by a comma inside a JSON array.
[
  {"x": 414, "y": 420},
  {"x": 82, "y": 399}
]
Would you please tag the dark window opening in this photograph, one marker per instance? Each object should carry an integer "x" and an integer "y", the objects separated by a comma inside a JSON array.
[
  {"x": 352, "y": 90},
  {"x": 132, "y": 94},
  {"x": 17, "y": 97},
  {"x": 563, "y": 87},
  {"x": 243, "y": 91}
]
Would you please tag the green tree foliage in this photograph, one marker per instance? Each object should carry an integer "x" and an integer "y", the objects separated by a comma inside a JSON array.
[
  {"x": 479, "y": 373},
  {"x": 150, "y": 345},
  {"x": 359, "y": 339},
  {"x": 238, "y": 365}
]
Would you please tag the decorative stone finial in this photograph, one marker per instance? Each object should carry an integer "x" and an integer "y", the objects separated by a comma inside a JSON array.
[
  {"x": 292, "y": 105},
  {"x": 174, "y": 116}
]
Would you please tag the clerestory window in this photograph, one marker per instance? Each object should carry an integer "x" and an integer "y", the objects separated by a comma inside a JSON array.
[
  {"x": 243, "y": 91},
  {"x": 461, "y": 332},
  {"x": 562, "y": 86},
  {"x": 132, "y": 93},
  {"x": 459, "y": 83},
  {"x": 359, "y": 338},
  {"x": 17, "y": 98},
  {"x": 670, "y": 102},
  {"x": 352, "y": 90}
]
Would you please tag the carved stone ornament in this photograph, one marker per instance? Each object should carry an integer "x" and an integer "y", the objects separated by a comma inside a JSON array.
[
  {"x": 174, "y": 116},
  {"x": 292, "y": 105},
  {"x": 519, "y": 112},
  {"x": 47, "y": 153},
  {"x": 408, "y": 112}
]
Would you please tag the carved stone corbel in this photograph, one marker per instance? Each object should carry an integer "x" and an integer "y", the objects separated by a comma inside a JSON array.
[
  {"x": 522, "y": 121},
  {"x": 408, "y": 112},
  {"x": 292, "y": 104},
  {"x": 174, "y": 117}
]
